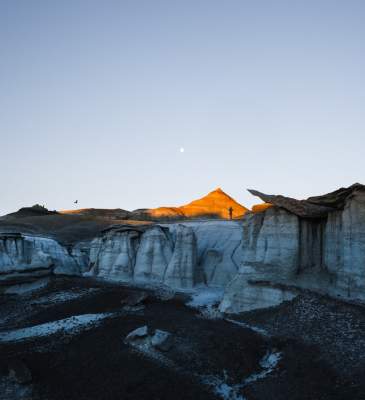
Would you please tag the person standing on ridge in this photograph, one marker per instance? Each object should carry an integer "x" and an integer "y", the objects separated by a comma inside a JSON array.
[{"x": 230, "y": 210}]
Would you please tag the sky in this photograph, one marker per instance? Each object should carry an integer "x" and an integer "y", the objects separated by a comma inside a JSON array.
[{"x": 98, "y": 97}]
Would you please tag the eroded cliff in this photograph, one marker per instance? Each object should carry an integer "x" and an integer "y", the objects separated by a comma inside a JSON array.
[
  {"x": 177, "y": 255},
  {"x": 295, "y": 244},
  {"x": 21, "y": 254}
]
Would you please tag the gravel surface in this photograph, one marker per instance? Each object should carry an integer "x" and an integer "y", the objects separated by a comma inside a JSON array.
[{"x": 315, "y": 346}]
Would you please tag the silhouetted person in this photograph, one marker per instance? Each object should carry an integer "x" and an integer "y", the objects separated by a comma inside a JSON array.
[{"x": 230, "y": 210}]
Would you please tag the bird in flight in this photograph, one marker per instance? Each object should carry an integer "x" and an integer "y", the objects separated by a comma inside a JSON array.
[{"x": 76, "y": 201}]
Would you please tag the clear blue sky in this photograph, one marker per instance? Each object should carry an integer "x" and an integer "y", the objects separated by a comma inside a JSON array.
[{"x": 97, "y": 97}]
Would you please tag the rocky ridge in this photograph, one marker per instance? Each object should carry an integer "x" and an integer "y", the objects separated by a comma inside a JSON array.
[{"x": 215, "y": 204}]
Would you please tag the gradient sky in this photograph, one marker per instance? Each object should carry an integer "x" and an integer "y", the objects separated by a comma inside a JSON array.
[{"x": 97, "y": 97}]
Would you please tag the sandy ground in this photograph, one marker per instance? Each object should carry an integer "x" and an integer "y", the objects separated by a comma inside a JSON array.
[{"x": 70, "y": 335}]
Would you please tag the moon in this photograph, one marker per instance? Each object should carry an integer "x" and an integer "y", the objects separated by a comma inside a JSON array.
[{"x": 182, "y": 149}]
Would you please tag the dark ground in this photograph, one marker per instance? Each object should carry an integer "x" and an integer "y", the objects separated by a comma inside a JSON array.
[{"x": 318, "y": 362}]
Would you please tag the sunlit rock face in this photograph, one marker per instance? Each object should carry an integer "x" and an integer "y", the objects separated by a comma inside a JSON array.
[
  {"x": 260, "y": 207},
  {"x": 215, "y": 204},
  {"x": 25, "y": 253}
]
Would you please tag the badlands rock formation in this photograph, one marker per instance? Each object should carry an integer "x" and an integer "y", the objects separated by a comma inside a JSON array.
[
  {"x": 23, "y": 254},
  {"x": 316, "y": 244},
  {"x": 265, "y": 258},
  {"x": 178, "y": 255}
]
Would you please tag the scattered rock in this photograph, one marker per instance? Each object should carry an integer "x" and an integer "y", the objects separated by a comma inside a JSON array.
[
  {"x": 162, "y": 340},
  {"x": 19, "y": 372},
  {"x": 159, "y": 339},
  {"x": 137, "y": 335}
]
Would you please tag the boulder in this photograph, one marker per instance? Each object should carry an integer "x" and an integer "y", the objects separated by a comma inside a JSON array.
[
  {"x": 143, "y": 337},
  {"x": 162, "y": 340},
  {"x": 137, "y": 335}
]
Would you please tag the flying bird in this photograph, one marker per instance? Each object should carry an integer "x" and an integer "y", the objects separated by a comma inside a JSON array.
[{"x": 76, "y": 201}]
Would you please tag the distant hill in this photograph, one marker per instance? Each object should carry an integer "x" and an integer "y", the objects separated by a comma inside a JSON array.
[
  {"x": 111, "y": 213},
  {"x": 65, "y": 226},
  {"x": 34, "y": 211},
  {"x": 215, "y": 204},
  {"x": 69, "y": 226}
]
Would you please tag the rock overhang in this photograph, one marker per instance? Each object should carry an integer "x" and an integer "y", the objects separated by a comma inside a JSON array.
[{"x": 315, "y": 207}]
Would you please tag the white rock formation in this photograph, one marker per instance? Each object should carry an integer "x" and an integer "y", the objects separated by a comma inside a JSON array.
[
  {"x": 145, "y": 338},
  {"x": 137, "y": 334},
  {"x": 242, "y": 296},
  {"x": 81, "y": 253},
  {"x": 25, "y": 253},
  {"x": 271, "y": 241},
  {"x": 116, "y": 255},
  {"x": 219, "y": 249},
  {"x": 153, "y": 256},
  {"x": 344, "y": 248},
  {"x": 270, "y": 249},
  {"x": 282, "y": 251},
  {"x": 261, "y": 260},
  {"x": 183, "y": 271}
]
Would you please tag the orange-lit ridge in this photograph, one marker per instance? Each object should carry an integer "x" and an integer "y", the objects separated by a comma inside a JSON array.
[
  {"x": 216, "y": 203},
  {"x": 261, "y": 207}
]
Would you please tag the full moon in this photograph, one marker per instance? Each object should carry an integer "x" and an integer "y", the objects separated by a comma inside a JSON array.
[{"x": 182, "y": 149}]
